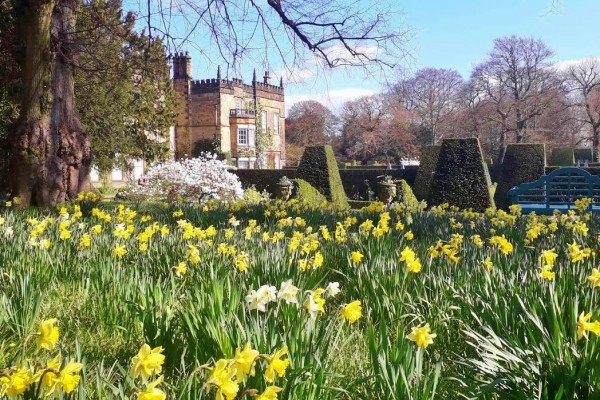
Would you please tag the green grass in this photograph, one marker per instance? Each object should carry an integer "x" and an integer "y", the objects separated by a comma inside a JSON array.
[{"x": 501, "y": 334}]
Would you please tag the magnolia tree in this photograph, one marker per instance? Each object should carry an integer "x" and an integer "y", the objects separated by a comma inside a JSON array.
[{"x": 194, "y": 180}]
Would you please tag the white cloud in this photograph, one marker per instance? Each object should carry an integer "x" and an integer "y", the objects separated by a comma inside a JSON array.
[
  {"x": 296, "y": 74},
  {"x": 334, "y": 99},
  {"x": 566, "y": 64}
]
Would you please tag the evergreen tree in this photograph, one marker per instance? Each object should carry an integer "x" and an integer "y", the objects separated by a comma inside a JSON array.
[{"x": 122, "y": 87}]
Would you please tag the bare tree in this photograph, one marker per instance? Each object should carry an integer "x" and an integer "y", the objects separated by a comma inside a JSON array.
[
  {"x": 583, "y": 82},
  {"x": 376, "y": 128},
  {"x": 52, "y": 152},
  {"x": 432, "y": 95},
  {"x": 310, "y": 123},
  {"x": 516, "y": 78}
]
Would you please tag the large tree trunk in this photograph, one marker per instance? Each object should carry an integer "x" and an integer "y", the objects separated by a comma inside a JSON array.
[{"x": 51, "y": 150}]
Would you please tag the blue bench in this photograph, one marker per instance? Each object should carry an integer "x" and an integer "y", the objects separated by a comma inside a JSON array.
[{"x": 557, "y": 191}]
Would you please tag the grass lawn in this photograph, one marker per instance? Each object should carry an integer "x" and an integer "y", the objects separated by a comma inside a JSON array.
[{"x": 280, "y": 301}]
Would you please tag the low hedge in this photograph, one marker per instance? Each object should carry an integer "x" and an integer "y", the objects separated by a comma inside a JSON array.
[
  {"x": 304, "y": 192},
  {"x": 562, "y": 156},
  {"x": 594, "y": 170},
  {"x": 354, "y": 179},
  {"x": 319, "y": 168},
  {"x": 263, "y": 179},
  {"x": 523, "y": 162},
  {"x": 461, "y": 177},
  {"x": 583, "y": 154},
  {"x": 424, "y": 176}
]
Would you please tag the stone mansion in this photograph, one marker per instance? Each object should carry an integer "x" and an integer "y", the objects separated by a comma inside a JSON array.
[
  {"x": 223, "y": 111},
  {"x": 219, "y": 111}
]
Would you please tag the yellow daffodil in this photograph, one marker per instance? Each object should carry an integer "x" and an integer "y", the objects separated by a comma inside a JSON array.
[
  {"x": 243, "y": 362},
  {"x": 152, "y": 392},
  {"x": 583, "y": 326},
  {"x": 413, "y": 266},
  {"x": 277, "y": 365},
  {"x": 49, "y": 375},
  {"x": 221, "y": 377},
  {"x": 594, "y": 278},
  {"x": 270, "y": 393},
  {"x": 47, "y": 335},
  {"x": 407, "y": 254},
  {"x": 147, "y": 362},
  {"x": 547, "y": 273},
  {"x": 356, "y": 256},
  {"x": 548, "y": 257},
  {"x": 351, "y": 312},
  {"x": 119, "y": 251},
  {"x": 180, "y": 269},
  {"x": 85, "y": 241},
  {"x": 422, "y": 336},
  {"x": 68, "y": 378},
  {"x": 16, "y": 382},
  {"x": 487, "y": 262}
]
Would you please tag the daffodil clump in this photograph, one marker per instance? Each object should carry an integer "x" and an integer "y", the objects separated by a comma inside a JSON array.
[
  {"x": 227, "y": 377},
  {"x": 44, "y": 373}
]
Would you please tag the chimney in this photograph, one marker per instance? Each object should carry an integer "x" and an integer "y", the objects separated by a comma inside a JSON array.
[{"x": 267, "y": 78}]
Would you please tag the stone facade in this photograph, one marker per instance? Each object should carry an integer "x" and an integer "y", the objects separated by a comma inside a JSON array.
[{"x": 224, "y": 111}]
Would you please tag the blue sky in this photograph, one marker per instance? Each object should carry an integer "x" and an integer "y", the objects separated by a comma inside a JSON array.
[{"x": 454, "y": 34}]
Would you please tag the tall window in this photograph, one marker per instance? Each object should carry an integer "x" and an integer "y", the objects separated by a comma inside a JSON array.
[
  {"x": 242, "y": 136},
  {"x": 276, "y": 124},
  {"x": 263, "y": 120},
  {"x": 246, "y": 135}
]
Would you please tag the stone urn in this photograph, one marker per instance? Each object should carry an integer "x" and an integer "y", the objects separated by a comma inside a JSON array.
[
  {"x": 387, "y": 190},
  {"x": 284, "y": 188}
]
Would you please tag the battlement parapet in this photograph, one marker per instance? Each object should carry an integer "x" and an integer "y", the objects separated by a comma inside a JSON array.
[{"x": 214, "y": 85}]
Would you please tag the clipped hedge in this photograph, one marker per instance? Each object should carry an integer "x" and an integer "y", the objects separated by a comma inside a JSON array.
[
  {"x": 405, "y": 195},
  {"x": 461, "y": 177},
  {"x": 523, "y": 162},
  {"x": 424, "y": 177},
  {"x": 319, "y": 168},
  {"x": 304, "y": 192},
  {"x": 562, "y": 156},
  {"x": 594, "y": 170},
  {"x": 583, "y": 154},
  {"x": 263, "y": 179},
  {"x": 354, "y": 179}
]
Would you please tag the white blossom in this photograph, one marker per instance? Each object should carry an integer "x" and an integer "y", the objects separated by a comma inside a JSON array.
[
  {"x": 192, "y": 180},
  {"x": 258, "y": 299},
  {"x": 332, "y": 289},
  {"x": 288, "y": 292}
]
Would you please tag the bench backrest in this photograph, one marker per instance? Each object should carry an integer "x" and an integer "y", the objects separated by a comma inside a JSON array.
[{"x": 560, "y": 187}]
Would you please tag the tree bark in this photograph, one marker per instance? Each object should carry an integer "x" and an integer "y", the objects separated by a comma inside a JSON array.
[{"x": 52, "y": 153}]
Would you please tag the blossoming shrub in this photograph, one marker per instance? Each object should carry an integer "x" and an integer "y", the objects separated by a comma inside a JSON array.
[{"x": 193, "y": 180}]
